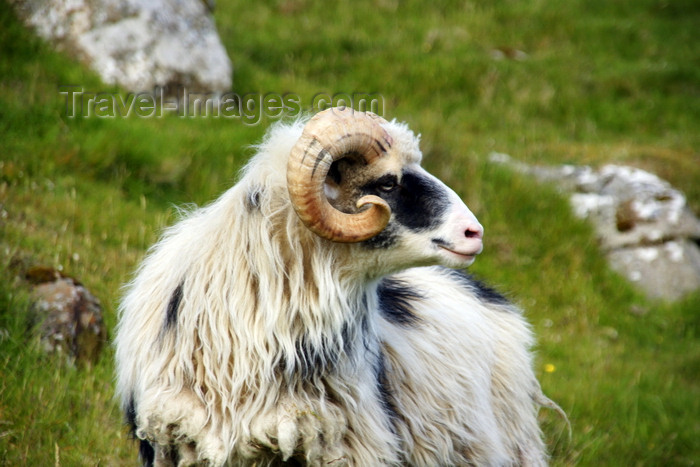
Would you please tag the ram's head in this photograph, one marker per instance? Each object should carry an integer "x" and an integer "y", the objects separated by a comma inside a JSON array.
[{"x": 353, "y": 177}]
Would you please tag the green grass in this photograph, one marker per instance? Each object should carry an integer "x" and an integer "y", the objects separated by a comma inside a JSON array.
[{"x": 602, "y": 82}]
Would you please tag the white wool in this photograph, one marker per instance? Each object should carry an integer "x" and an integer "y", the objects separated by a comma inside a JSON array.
[{"x": 225, "y": 381}]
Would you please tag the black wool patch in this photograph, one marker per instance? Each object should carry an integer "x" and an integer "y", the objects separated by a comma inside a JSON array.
[
  {"x": 173, "y": 308},
  {"x": 130, "y": 415},
  {"x": 384, "y": 240},
  {"x": 252, "y": 200},
  {"x": 313, "y": 361},
  {"x": 420, "y": 202},
  {"x": 386, "y": 397},
  {"x": 482, "y": 291},
  {"x": 146, "y": 452},
  {"x": 395, "y": 300},
  {"x": 417, "y": 203}
]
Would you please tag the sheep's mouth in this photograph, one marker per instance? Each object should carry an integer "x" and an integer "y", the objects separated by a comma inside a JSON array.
[
  {"x": 459, "y": 253},
  {"x": 451, "y": 249}
]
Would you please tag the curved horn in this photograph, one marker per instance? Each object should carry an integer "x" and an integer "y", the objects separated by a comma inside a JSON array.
[{"x": 329, "y": 136}]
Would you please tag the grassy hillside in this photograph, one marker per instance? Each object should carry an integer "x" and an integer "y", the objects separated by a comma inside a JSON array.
[{"x": 595, "y": 81}]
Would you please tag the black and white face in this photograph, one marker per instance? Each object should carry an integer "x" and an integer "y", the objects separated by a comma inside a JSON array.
[{"x": 429, "y": 222}]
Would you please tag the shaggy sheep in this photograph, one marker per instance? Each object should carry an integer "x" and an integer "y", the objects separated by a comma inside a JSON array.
[{"x": 308, "y": 316}]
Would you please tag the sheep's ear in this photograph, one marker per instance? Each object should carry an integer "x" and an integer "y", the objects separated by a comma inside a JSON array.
[
  {"x": 334, "y": 174},
  {"x": 331, "y": 187},
  {"x": 331, "y": 190}
]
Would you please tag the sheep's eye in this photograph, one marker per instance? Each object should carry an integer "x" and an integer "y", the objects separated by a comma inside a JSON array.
[{"x": 388, "y": 185}]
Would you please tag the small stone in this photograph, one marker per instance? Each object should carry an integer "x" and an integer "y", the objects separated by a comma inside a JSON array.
[
  {"x": 68, "y": 319},
  {"x": 625, "y": 216}
]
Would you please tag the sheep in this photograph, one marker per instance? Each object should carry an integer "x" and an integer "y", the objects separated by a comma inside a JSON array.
[{"x": 320, "y": 315}]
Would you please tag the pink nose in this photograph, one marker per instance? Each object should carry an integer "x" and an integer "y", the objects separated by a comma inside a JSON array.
[{"x": 474, "y": 231}]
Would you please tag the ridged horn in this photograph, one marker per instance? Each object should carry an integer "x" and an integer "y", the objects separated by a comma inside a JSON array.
[{"x": 329, "y": 136}]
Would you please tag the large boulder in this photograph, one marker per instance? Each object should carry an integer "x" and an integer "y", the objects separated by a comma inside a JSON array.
[
  {"x": 643, "y": 224},
  {"x": 137, "y": 44}
]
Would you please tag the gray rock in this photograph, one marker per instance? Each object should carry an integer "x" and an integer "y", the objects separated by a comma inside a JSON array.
[
  {"x": 643, "y": 224},
  {"x": 138, "y": 44},
  {"x": 668, "y": 271},
  {"x": 630, "y": 206},
  {"x": 66, "y": 317}
]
